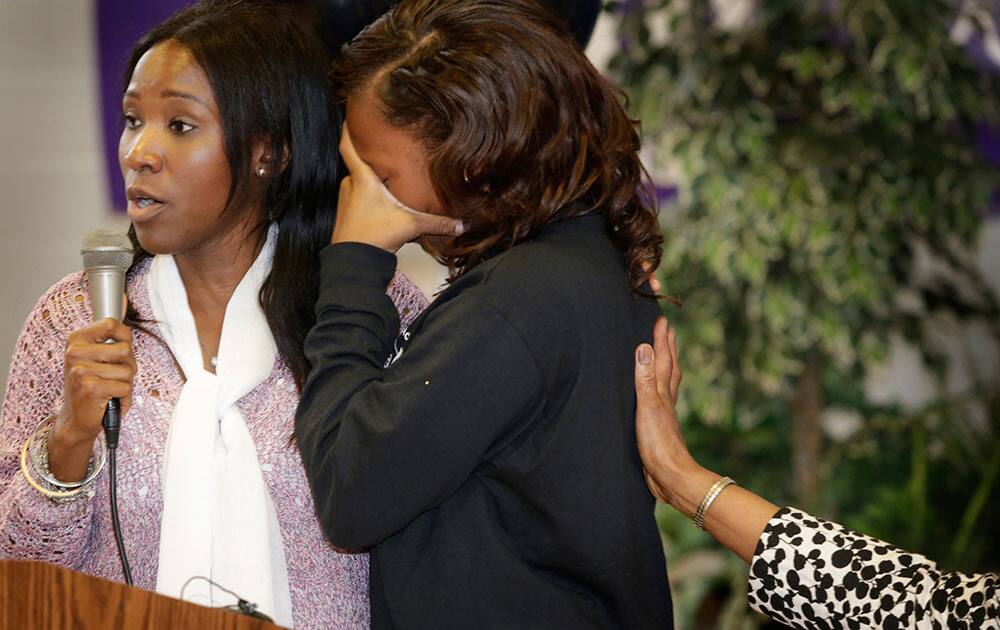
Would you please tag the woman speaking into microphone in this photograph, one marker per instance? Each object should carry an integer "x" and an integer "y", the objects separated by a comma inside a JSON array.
[{"x": 229, "y": 155}]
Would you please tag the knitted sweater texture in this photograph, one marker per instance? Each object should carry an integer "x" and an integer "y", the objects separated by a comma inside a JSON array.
[{"x": 329, "y": 588}]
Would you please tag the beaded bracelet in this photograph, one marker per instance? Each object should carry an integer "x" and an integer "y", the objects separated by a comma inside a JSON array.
[
  {"x": 35, "y": 463},
  {"x": 710, "y": 497}
]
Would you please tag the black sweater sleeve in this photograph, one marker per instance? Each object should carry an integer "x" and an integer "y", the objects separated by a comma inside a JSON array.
[{"x": 380, "y": 443}]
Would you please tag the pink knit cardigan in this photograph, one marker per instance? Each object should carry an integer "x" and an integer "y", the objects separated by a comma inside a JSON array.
[{"x": 329, "y": 589}]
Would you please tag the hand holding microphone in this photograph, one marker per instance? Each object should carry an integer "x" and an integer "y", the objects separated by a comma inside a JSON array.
[
  {"x": 95, "y": 372},
  {"x": 99, "y": 366}
]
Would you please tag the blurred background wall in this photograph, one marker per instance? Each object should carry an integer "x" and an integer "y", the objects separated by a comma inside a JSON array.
[{"x": 52, "y": 181}]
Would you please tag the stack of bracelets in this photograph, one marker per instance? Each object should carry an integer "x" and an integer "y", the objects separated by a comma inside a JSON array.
[{"x": 35, "y": 467}]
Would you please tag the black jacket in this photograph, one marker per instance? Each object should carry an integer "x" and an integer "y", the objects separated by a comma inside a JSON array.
[{"x": 487, "y": 456}]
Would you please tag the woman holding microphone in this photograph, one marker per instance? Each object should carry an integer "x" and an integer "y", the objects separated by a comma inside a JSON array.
[{"x": 228, "y": 152}]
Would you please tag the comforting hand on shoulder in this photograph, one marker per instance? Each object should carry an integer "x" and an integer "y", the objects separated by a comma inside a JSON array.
[{"x": 368, "y": 213}]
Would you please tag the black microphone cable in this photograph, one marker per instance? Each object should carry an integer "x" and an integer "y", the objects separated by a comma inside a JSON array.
[
  {"x": 112, "y": 423},
  {"x": 107, "y": 257}
]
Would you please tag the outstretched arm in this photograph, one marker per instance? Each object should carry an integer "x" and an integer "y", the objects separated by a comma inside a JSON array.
[
  {"x": 804, "y": 571},
  {"x": 737, "y": 517}
]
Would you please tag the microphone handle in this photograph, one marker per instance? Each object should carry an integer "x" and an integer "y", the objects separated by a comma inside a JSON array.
[
  {"x": 112, "y": 423},
  {"x": 112, "y": 415}
]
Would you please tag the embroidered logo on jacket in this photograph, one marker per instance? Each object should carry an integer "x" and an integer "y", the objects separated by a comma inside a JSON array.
[{"x": 398, "y": 347}]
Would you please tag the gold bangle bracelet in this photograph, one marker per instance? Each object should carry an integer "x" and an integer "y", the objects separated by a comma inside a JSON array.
[
  {"x": 55, "y": 495},
  {"x": 710, "y": 497},
  {"x": 38, "y": 458}
]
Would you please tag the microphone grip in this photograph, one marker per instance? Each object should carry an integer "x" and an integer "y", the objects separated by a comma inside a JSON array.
[{"x": 112, "y": 423}]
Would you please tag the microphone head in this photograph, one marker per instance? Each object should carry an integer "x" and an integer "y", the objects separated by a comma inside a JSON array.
[
  {"x": 107, "y": 256},
  {"x": 105, "y": 248}
]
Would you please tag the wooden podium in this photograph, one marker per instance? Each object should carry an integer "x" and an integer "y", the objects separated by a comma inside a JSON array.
[{"x": 38, "y": 595}]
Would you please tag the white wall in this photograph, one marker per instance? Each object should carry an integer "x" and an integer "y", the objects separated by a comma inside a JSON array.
[{"x": 51, "y": 174}]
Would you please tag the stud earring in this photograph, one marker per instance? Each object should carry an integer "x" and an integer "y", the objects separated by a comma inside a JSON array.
[{"x": 261, "y": 171}]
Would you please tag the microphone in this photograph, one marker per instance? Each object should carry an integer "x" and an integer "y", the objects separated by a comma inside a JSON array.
[{"x": 107, "y": 256}]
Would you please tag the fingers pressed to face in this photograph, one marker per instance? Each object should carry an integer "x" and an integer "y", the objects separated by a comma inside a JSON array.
[
  {"x": 345, "y": 192},
  {"x": 360, "y": 169},
  {"x": 436, "y": 225},
  {"x": 353, "y": 162}
]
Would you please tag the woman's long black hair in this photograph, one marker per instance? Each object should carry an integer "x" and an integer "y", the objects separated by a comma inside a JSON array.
[{"x": 270, "y": 79}]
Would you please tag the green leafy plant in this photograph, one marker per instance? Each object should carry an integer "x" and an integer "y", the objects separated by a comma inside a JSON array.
[{"x": 825, "y": 153}]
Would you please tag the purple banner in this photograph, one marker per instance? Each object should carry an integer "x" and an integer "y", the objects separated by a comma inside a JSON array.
[
  {"x": 989, "y": 140},
  {"x": 119, "y": 24}
]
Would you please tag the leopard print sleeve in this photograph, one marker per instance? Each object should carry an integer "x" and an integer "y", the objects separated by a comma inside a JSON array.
[{"x": 810, "y": 573}]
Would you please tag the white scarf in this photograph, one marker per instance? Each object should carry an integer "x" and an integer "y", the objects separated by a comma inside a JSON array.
[{"x": 218, "y": 518}]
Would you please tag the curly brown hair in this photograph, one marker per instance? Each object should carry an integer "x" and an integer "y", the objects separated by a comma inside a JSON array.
[{"x": 521, "y": 130}]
